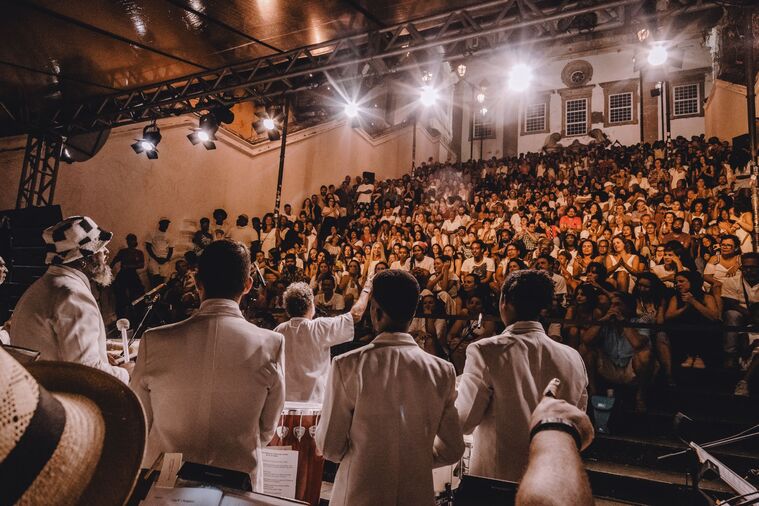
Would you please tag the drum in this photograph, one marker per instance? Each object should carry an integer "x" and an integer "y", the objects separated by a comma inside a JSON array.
[{"x": 297, "y": 429}]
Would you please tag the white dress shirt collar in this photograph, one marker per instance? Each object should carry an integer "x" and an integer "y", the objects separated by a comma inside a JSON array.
[
  {"x": 524, "y": 327},
  {"x": 220, "y": 306},
  {"x": 394, "y": 338}
]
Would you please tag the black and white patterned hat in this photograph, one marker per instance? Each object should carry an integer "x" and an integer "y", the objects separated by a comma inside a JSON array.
[{"x": 73, "y": 238}]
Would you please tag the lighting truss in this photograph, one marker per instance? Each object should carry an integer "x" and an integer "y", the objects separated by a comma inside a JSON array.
[
  {"x": 450, "y": 35},
  {"x": 40, "y": 170}
]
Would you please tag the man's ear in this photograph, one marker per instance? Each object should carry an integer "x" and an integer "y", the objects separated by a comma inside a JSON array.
[{"x": 248, "y": 285}]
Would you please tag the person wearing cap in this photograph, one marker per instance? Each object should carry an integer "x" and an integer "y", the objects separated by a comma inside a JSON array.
[
  {"x": 389, "y": 416},
  {"x": 58, "y": 315},
  {"x": 69, "y": 434},
  {"x": 213, "y": 385},
  {"x": 160, "y": 250},
  {"x": 504, "y": 377}
]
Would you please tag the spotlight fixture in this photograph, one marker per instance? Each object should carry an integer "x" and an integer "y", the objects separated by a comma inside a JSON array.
[
  {"x": 351, "y": 109},
  {"x": 267, "y": 124},
  {"x": 205, "y": 134},
  {"x": 657, "y": 55},
  {"x": 428, "y": 95},
  {"x": 426, "y": 76},
  {"x": 461, "y": 70},
  {"x": 66, "y": 156},
  {"x": 484, "y": 111},
  {"x": 480, "y": 97},
  {"x": 151, "y": 137},
  {"x": 520, "y": 77}
]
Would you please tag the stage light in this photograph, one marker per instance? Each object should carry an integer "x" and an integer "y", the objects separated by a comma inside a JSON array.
[
  {"x": 269, "y": 124},
  {"x": 351, "y": 109},
  {"x": 266, "y": 124},
  {"x": 426, "y": 76},
  {"x": 484, "y": 111},
  {"x": 428, "y": 96},
  {"x": 461, "y": 70},
  {"x": 657, "y": 55},
  {"x": 151, "y": 137},
  {"x": 205, "y": 134},
  {"x": 520, "y": 77},
  {"x": 480, "y": 97}
]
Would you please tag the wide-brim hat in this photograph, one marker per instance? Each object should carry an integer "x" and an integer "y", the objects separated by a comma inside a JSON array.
[
  {"x": 123, "y": 443},
  {"x": 73, "y": 238}
]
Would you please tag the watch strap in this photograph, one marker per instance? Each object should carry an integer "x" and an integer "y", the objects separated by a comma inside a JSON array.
[{"x": 559, "y": 424}]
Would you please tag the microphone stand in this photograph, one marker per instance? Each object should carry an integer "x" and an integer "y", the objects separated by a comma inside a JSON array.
[{"x": 151, "y": 301}]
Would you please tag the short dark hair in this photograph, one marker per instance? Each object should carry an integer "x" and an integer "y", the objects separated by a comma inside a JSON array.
[
  {"x": 223, "y": 269},
  {"x": 529, "y": 291},
  {"x": 397, "y": 293}
]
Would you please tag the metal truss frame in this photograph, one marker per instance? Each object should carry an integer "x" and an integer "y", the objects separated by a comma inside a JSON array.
[
  {"x": 450, "y": 36},
  {"x": 39, "y": 173}
]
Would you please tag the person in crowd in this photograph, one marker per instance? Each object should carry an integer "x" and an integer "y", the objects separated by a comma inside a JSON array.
[
  {"x": 241, "y": 232},
  {"x": 127, "y": 285},
  {"x": 213, "y": 386},
  {"x": 308, "y": 340},
  {"x": 58, "y": 315},
  {"x": 160, "y": 250},
  {"x": 618, "y": 353},
  {"x": 504, "y": 377},
  {"x": 483, "y": 267},
  {"x": 388, "y": 459},
  {"x": 220, "y": 225},
  {"x": 202, "y": 237},
  {"x": 328, "y": 299}
]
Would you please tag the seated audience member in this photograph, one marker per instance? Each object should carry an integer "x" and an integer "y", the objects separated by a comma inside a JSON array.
[
  {"x": 127, "y": 285},
  {"x": 697, "y": 310},
  {"x": 328, "y": 299},
  {"x": 58, "y": 314},
  {"x": 388, "y": 459},
  {"x": 470, "y": 328},
  {"x": 308, "y": 340},
  {"x": 652, "y": 299},
  {"x": 504, "y": 377},
  {"x": 213, "y": 386},
  {"x": 429, "y": 332},
  {"x": 617, "y": 353}
]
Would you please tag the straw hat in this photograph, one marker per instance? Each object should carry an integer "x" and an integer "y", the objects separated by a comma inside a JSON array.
[{"x": 69, "y": 434}]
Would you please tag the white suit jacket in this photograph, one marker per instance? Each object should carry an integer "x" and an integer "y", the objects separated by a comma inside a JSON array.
[
  {"x": 503, "y": 381},
  {"x": 307, "y": 344},
  {"x": 212, "y": 387},
  {"x": 59, "y": 317},
  {"x": 389, "y": 418}
]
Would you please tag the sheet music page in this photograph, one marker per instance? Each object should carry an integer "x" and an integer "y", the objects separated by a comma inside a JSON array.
[
  {"x": 185, "y": 496},
  {"x": 280, "y": 471}
]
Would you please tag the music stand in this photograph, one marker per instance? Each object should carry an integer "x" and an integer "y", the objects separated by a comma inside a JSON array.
[{"x": 706, "y": 463}]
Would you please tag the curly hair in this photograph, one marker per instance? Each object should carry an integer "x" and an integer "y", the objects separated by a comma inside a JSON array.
[{"x": 298, "y": 299}]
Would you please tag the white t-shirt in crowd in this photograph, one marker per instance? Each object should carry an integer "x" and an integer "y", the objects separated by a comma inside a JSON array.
[{"x": 479, "y": 268}]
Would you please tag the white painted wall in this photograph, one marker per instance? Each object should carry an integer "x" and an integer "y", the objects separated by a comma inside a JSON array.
[
  {"x": 612, "y": 65},
  {"x": 127, "y": 193}
]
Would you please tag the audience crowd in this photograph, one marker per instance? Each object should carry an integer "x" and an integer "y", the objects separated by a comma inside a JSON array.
[{"x": 647, "y": 245}]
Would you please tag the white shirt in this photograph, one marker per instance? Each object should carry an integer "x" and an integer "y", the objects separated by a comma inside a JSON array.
[
  {"x": 483, "y": 267},
  {"x": 427, "y": 263},
  {"x": 241, "y": 234},
  {"x": 503, "y": 381},
  {"x": 404, "y": 267},
  {"x": 160, "y": 243},
  {"x": 337, "y": 302},
  {"x": 59, "y": 317},
  {"x": 212, "y": 388},
  {"x": 732, "y": 289},
  {"x": 364, "y": 198},
  {"x": 453, "y": 225},
  {"x": 307, "y": 344},
  {"x": 389, "y": 419}
]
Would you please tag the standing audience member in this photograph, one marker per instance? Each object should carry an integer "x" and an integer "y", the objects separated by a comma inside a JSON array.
[
  {"x": 58, "y": 315},
  {"x": 127, "y": 286},
  {"x": 389, "y": 416},
  {"x": 504, "y": 377},
  {"x": 160, "y": 250},
  {"x": 213, "y": 385}
]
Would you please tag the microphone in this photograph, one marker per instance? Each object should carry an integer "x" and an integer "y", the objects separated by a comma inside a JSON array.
[
  {"x": 122, "y": 324},
  {"x": 149, "y": 294}
]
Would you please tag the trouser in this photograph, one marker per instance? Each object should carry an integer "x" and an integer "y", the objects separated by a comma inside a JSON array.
[
  {"x": 734, "y": 342},
  {"x": 126, "y": 287}
]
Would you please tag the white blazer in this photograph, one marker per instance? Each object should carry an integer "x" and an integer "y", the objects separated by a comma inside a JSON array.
[
  {"x": 59, "y": 317},
  {"x": 503, "y": 381},
  {"x": 212, "y": 386},
  {"x": 389, "y": 418}
]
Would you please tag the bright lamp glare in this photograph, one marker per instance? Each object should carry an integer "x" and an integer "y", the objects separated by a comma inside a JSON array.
[
  {"x": 203, "y": 136},
  {"x": 520, "y": 77},
  {"x": 657, "y": 55},
  {"x": 147, "y": 146},
  {"x": 351, "y": 110},
  {"x": 269, "y": 124},
  {"x": 480, "y": 97},
  {"x": 428, "y": 96}
]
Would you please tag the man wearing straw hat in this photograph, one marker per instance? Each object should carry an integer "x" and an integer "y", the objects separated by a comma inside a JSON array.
[{"x": 58, "y": 314}]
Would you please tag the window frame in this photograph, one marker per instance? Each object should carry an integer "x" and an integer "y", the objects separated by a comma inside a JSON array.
[
  {"x": 586, "y": 120},
  {"x": 543, "y": 117},
  {"x": 696, "y": 100},
  {"x": 629, "y": 107}
]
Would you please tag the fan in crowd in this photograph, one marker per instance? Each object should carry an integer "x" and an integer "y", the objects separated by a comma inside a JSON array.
[{"x": 648, "y": 233}]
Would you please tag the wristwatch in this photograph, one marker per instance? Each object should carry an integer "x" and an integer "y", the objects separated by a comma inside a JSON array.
[{"x": 557, "y": 424}]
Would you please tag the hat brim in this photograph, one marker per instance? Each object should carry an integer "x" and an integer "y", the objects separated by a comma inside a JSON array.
[{"x": 116, "y": 473}]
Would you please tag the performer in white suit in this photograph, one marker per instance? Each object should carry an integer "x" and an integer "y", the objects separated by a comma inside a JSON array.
[
  {"x": 389, "y": 413},
  {"x": 212, "y": 386},
  {"x": 58, "y": 314},
  {"x": 504, "y": 378},
  {"x": 308, "y": 340}
]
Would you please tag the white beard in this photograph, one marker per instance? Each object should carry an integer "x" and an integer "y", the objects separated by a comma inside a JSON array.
[{"x": 102, "y": 275}]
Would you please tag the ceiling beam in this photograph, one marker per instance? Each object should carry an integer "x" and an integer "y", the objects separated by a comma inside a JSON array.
[{"x": 482, "y": 28}]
